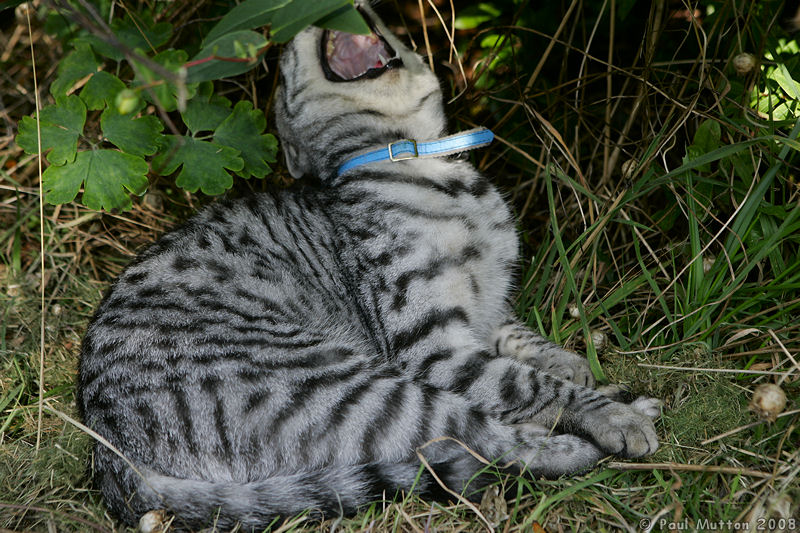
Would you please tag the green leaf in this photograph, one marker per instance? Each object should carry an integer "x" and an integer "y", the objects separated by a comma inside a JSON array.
[
  {"x": 205, "y": 116},
  {"x": 707, "y": 137},
  {"x": 141, "y": 34},
  {"x": 101, "y": 90},
  {"x": 246, "y": 16},
  {"x": 107, "y": 175},
  {"x": 473, "y": 16},
  {"x": 346, "y": 19},
  {"x": 743, "y": 167},
  {"x": 164, "y": 93},
  {"x": 243, "y": 130},
  {"x": 79, "y": 63},
  {"x": 784, "y": 79},
  {"x": 206, "y": 110},
  {"x": 298, "y": 15},
  {"x": 203, "y": 162},
  {"x": 764, "y": 104},
  {"x": 100, "y": 46},
  {"x": 137, "y": 136},
  {"x": 58, "y": 26},
  {"x": 206, "y": 66},
  {"x": 286, "y": 17},
  {"x": 61, "y": 125}
]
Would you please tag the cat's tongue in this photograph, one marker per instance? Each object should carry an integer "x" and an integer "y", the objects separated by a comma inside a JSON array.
[{"x": 350, "y": 56}]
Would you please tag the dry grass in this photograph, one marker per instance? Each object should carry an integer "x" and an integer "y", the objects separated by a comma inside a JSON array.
[{"x": 567, "y": 117}]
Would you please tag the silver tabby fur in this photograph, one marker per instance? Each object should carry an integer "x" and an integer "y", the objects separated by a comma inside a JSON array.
[{"x": 291, "y": 351}]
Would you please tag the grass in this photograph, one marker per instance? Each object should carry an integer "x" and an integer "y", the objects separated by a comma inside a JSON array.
[{"x": 678, "y": 275}]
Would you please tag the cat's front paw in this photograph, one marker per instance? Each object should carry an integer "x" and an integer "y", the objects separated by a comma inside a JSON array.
[
  {"x": 626, "y": 430},
  {"x": 565, "y": 365}
]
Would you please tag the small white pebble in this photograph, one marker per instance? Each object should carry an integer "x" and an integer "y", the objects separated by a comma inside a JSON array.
[
  {"x": 768, "y": 401},
  {"x": 573, "y": 311},
  {"x": 628, "y": 167},
  {"x": 21, "y": 13},
  {"x": 153, "y": 521},
  {"x": 599, "y": 339},
  {"x": 744, "y": 63}
]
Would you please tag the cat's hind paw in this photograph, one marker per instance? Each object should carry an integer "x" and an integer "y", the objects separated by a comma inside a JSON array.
[
  {"x": 625, "y": 430},
  {"x": 565, "y": 365}
]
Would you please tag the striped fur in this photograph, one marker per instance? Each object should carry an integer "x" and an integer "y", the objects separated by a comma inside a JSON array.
[{"x": 293, "y": 350}]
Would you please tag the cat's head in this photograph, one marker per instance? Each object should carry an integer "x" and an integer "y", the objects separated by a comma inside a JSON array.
[{"x": 341, "y": 94}]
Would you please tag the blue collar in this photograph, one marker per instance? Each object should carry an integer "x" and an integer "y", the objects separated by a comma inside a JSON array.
[{"x": 411, "y": 149}]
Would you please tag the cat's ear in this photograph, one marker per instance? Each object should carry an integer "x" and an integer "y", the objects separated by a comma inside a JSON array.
[{"x": 294, "y": 160}]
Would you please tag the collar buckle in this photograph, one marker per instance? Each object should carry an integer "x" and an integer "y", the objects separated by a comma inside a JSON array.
[{"x": 403, "y": 147}]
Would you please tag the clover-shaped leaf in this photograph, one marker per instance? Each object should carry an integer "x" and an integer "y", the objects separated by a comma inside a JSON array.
[
  {"x": 79, "y": 63},
  {"x": 101, "y": 90},
  {"x": 202, "y": 115},
  {"x": 61, "y": 125},
  {"x": 137, "y": 136},
  {"x": 243, "y": 130},
  {"x": 108, "y": 177},
  {"x": 204, "y": 163}
]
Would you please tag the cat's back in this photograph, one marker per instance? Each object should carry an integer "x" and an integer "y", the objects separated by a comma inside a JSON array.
[
  {"x": 266, "y": 244},
  {"x": 243, "y": 283}
]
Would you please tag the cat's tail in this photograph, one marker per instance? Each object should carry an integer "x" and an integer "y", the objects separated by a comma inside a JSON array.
[{"x": 327, "y": 492}]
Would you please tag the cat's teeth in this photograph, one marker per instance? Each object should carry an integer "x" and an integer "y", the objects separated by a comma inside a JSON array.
[{"x": 382, "y": 59}]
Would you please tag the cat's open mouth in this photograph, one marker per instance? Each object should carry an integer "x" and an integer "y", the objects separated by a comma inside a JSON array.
[{"x": 350, "y": 57}]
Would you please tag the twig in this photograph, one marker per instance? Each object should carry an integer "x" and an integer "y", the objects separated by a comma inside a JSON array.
[
  {"x": 718, "y": 370},
  {"x": 453, "y": 50},
  {"x": 609, "y": 95},
  {"x": 409, "y": 520},
  {"x": 447, "y": 489},
  {"x": 689, "y": 468},
  {"x": 102, "y": 440},
  {"x": 545, "y": 55},
  {"x": 41, "y": 235},
  {"x": 425, "y": 34},
  {"x": 792, "y": 359}
]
